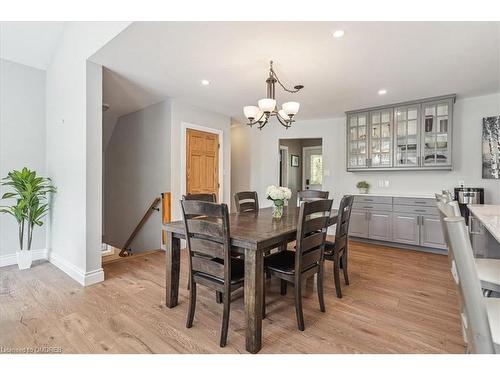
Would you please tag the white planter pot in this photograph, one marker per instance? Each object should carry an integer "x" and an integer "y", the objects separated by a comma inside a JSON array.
[
  {"x": 363, "y": 190},
  {"x": 24, "y": 259}
]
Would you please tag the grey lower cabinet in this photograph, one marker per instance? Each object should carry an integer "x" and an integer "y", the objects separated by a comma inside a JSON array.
[
  {"x": 431, "y": 233},
  {"x": 406, "y": 228},
  {"x": 375, "y": 225},
  {"x": 401, "y": 220},
  {"x": 358, "y": 226}
]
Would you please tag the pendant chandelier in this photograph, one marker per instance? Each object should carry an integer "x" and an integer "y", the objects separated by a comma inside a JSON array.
[{"x": 259, "y": 115}]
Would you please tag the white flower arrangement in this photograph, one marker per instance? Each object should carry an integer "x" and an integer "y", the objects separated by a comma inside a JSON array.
[{"x": 278, "y": 194}]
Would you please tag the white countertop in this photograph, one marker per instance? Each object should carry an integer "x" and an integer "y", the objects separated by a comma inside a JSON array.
[
  {"x": 489, "y": 216},
  {"x": 396, "y": 195}
]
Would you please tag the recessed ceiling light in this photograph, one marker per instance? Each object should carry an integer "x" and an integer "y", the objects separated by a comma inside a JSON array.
[
  {"x": 205, "y": 82},
  {"x": 338, "y": 33},
  {"x": 382, "y": 91}
]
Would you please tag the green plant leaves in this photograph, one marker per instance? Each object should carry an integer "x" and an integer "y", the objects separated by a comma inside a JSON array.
[{"x": 30, "y": 192}]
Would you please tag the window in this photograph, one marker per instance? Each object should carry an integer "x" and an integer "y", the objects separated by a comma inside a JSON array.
[{"x": 316, "y": 169}]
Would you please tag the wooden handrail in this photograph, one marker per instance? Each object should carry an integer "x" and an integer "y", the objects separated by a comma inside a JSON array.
[{"x": 125, "y": 251}]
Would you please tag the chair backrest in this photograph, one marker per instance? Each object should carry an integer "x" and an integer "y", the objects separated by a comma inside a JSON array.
[
  {"x": 343, "y": 220},
  {"x": 208, "y": 238},
  {"x": 447, "y": 209},
  {"x": 311, "y": 233},
  {"x": 474, "y": 315},
  {"x": 204, "y": 197},
  {"x": 246, "y": 201},
  {"x": 312, "y": 195}
]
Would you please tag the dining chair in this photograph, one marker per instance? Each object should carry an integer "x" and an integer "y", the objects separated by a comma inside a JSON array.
[
  {"x": 205, "y": 197},
  {"x": 246, "y": 201},
  {"x": 488, "y": 269},
  {"x": 210, "y": 262},
  {"x": 312, "y": 195},
  {"x": 480, "y": 316},
  {"x": 307, "y": 260},
  {"x": 338, "y": 251}
]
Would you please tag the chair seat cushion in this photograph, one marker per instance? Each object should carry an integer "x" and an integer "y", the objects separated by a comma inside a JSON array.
[
  {"x": 237, "y": 271},
  {"x": 493, "y": 309},
  {"x": 488, "y": 271},
  {"x": 283, "y": 262}
]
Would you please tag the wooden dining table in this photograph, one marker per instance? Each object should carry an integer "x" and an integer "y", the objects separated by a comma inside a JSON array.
[{"x": 252, "y": 234}]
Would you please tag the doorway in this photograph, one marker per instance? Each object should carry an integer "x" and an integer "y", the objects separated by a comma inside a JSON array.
[
  {"x": 312, "y": 177},
  {"x": 300, "y": 165},
  {"x": 202, "y": 162}
]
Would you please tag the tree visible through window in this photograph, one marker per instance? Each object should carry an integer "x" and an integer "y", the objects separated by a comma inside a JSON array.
[{"x": 316, "y": 169}]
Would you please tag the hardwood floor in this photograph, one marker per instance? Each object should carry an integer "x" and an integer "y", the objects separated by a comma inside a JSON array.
[{"x": 399, "y": 301}]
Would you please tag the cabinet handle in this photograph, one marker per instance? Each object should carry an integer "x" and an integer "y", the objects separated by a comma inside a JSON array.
[
  {"x": 419, "y": 210},
  {"x": 367, "y": 207},
  {"x": 418, "y": 202}
]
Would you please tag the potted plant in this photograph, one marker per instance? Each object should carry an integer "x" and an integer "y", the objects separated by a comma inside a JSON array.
[
  {"x": 279, "y": 195},
  {"x": 363, "y": 187},
  {"x": 30, "y": 193}
]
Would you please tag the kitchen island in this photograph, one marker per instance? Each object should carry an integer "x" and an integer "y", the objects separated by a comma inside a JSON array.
[{"x": 484, "y": 229}]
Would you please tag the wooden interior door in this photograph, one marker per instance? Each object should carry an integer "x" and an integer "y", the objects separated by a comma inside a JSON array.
[{"x": 202, "y": 160}]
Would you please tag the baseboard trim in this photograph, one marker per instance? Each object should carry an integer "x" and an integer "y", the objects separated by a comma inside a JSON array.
[
  {"x": 76, "y": 273},
  {"x": 398, "y": 245},
  {"x": 10, "y": 259}
]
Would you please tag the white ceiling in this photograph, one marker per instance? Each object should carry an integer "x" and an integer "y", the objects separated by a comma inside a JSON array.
[
  {"x": 411, "y": 60},
  {"x": 29, "y": 43}
]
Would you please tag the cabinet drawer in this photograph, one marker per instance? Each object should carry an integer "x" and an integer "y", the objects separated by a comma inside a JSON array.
[
  {"x": 372, "y": 206},
  {"x": 422, "y": 210},
  {"x": 372, "y": 199},
  {"x": 428, "y": 202}
]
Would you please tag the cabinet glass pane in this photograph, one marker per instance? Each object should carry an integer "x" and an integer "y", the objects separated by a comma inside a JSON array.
[
  {"x": 353, "y": 121},
  {"x": 376, "y": 131},
  {"x": 361, "y": 161},
  {"x": 430, "y": 111},
  {"x": 361, "y": 120},
  {"x": 442, "y": 109},
  {"x": 412, "y": 114},
  {"x": 386, "y": 159},
  {"x": 362, "y": 133},
  {"x": 375, "y": 146},
  {"x": 401, "y": 115},
  {"x": 442, "y": 124},
  {"x": 412, "y": 127},
  {"x": 385, "y": 146},
  {"x": 386, "y": 116},
  {"x": 376, "y": 118},
  {"x": 362, "y": 147},
  {"x": 429, "y": 124},
  {"x": 354, "y": 134},
  {"x": 353, "y": 161},
  {"x": 376, "y": 160},
  {"x": 386, "y": 131}
]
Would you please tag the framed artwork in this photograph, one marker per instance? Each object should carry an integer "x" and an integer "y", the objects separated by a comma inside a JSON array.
[
  {"x": 491, "y": 147},
  {"x": 295, "y": 160}
]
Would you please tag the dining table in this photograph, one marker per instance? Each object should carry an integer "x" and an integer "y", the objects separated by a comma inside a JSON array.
[{"x": 253, "y": 234}]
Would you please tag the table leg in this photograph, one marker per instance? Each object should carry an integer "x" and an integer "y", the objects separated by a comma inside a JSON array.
[
  {"x": 254, "y": 268},
  {"x": 173, "y": 264}
]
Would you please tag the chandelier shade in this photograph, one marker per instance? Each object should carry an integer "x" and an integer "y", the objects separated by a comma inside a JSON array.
[
  {"x": 259, "y": 115},
  {"x": 291, "y": 108}
]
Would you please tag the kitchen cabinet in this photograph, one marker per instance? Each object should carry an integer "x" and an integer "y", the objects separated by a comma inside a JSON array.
[
  {"x": 431, "y": 233},
  {"x": 404, "y": 136},
  {"x": 406, "y": 228},
  {"x": 379, "y": 225},
  {"x": 358, "y": 225},
  {"x": 404, "y": 220}
]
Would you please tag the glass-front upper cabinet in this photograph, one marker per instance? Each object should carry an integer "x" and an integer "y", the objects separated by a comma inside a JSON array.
[
  {"x": 358, "y": 140},
  {"x": 406, "y": 136},
  {"x": 436, "y": 133},
  {"x": 380, "y": 138}
]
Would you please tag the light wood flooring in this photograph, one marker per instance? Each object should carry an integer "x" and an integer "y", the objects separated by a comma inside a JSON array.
[{"x": 399, "y": 301}]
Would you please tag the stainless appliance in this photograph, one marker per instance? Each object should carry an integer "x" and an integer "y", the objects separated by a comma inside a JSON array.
[{"x": 466, "y": 196}]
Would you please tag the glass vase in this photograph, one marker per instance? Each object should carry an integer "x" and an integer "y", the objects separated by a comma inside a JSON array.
[{"x": 277, "y": 211}]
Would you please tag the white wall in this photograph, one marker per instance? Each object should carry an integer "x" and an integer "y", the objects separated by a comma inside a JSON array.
[
  {"x": 22, "y": 138},
  {"x": 72, "y": 136},
  {"x": 183, "y": 113},
  {"x": 137, "y": 171},
  {"x": 262, "y": 148}
]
